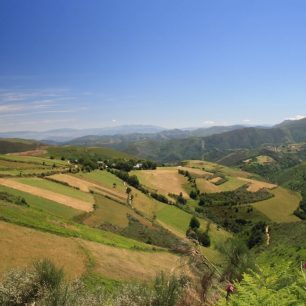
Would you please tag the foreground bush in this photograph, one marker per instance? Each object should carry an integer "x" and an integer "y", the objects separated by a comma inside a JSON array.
[
  {"x": 44, "y": 285},
  {"x": 269, "y": 286}
]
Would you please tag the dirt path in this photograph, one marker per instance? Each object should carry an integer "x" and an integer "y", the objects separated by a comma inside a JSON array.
[
  {"x": 49, "y": 195},
  {"x": 86, "y": 186}
]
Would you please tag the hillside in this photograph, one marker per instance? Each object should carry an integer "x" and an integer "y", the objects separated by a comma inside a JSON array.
[
  {"x": 11, "y": 145},
  {"x": 139, "y": 220}
]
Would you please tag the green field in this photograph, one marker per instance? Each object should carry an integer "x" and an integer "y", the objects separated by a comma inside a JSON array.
[
  {"x": 232, "y": 184},
  {"x": 57, "y": 187},
  {"x": 110, "y": 212},
  {"x": 178, "y": 220}
]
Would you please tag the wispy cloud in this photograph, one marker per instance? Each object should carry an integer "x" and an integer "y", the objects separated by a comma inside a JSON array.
[
  {"x": 297, "y": 117},
  {"x": 31, "y": 100},
  {"x": 45, "y": 112}
]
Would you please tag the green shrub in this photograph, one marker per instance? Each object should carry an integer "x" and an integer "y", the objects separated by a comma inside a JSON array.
[{"x": 269, "y": 285}]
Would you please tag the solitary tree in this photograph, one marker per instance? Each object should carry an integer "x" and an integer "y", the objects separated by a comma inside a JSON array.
[{"x": 194, "y": 223}]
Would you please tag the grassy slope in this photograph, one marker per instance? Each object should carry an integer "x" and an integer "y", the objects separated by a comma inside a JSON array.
[
  {"x": 109, "y": 211},
  {"x": 57, "y": 187},
  {"x": 21, "y": 246},
  {"x": 280, "y": 208},
  {"x": 11, "y": 145},
  {"x": 104, "y": 178},
  {"x": 31, "y": 217},
  {"x": 80, "y": 257},
  {"x": 179, "y": 220},
  {"x": 44, "y": 205},
  {"x": 142, "y": 202}
]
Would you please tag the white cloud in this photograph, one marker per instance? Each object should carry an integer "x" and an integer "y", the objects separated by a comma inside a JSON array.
[
  {"x": 297, "y": 117},
  {"x": 114, "y": 120},
  {"x": 209, "y": 122},
  {"x": 246, "y": 120}
]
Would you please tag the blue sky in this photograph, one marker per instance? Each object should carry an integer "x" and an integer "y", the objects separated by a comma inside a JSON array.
[{"x": 172, "y": 63}]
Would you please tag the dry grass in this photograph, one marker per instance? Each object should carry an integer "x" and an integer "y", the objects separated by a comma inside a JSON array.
[
  {"x": 280, "y": 208},
  {"x": 254, "y": 185},
  {"x": 206, "y": 186},
  {"x": 264, "y": 159},
  {"x": 163, "y": 180},
  {"x": 21, "y": 246},
  {"x": 37, "y": 152},
  {"x": 196, "y": 172},
  {"x": 215, "y": 180},
  {"x": 49, "y": 195},
  {"x": 130, "y": 265},
  {"x": 209, "y": 166}
]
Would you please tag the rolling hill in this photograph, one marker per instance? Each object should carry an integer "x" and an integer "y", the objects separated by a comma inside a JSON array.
[
  {"x": 11, "y": 145},
  {"x": 112, "y": 233}
]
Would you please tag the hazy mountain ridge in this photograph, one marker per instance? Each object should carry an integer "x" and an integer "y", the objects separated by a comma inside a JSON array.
[
  {"x": 211, "y": 147},
  {"x": 63, "y": 135}
]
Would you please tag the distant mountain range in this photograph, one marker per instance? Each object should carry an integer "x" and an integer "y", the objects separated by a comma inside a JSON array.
[
  {"x": 173, "y": 145},
  {"x": 125, "y": 139},
  {"x": 211, "y": 143},
  {"x": 97, "y": 134},
  {"x": 63, "y": 135}
]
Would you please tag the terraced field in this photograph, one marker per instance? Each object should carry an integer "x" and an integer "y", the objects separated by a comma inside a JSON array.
[
  {"x": 86, "y": 186},
  {"x": 74, "y": 202},
  {"x": 72, "y": 212},
  {"x": 11, "y": 165}
]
